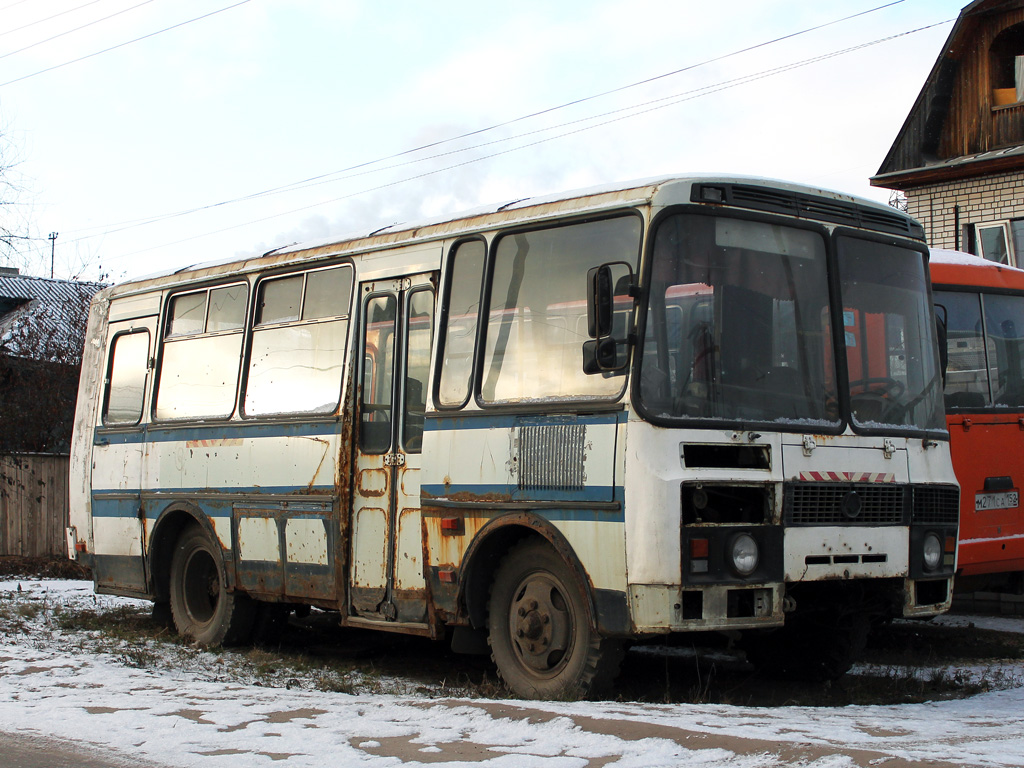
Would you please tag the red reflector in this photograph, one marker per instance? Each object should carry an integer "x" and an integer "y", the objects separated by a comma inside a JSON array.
[
  {"x": 452, "y": 526},
  {"x": 699, "y": 548},
  {"x": 446, "y": 575},
  {"x": 951, "y": 544}
]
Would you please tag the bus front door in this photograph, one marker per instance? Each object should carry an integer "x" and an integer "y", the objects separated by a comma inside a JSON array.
[{"x": 396, "y": 322}]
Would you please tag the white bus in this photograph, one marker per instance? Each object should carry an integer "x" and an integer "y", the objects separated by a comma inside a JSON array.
[{"x": 547, "y": 428}]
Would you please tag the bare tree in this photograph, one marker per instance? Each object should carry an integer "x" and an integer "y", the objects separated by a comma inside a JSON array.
[{"x": 14, "y": 225}]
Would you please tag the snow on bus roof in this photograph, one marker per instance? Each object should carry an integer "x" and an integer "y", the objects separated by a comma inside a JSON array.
[{"x": 959, "y": 258}]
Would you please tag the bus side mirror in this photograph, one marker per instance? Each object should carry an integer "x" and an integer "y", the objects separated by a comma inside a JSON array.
[
  {"x": 601, "y": 355},
  {"x": 941, "y": 335},
  {"x": 610, "y": 294},
  {"x": 600, "y": 301}
]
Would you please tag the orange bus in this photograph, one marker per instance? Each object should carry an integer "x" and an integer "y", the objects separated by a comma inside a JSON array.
[{"x": 979, "y": 305}]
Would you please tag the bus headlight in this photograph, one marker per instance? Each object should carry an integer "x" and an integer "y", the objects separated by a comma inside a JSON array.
[
  {"x": 743, "y": 554},
  {"x": 932, "y": 550}
]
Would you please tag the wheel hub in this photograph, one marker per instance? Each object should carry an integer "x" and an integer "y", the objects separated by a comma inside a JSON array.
[
  {"x": 534, "y": 627},
  {"x": 541, "y": 624}
]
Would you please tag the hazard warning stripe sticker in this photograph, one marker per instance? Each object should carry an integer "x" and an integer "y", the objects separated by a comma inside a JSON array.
[{"x": 848, "y": 477}]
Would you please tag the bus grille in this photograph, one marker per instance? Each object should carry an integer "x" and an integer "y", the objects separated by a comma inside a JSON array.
[
  {"x": 823, "y": 504},
  {"x": 876, "y": 504},
  {"x": 937, "y": 504},
  {"x": 811, "y": 206},
  {"x": 551, "y": 457}
]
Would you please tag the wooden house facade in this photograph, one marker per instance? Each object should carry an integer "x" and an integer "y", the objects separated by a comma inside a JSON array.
[{"x": 959, "y": 157}]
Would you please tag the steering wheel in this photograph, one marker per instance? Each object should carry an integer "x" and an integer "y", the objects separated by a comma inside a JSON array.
[
  {"x": 880, "y": 386},
  {"x": 879, "y": 401}
]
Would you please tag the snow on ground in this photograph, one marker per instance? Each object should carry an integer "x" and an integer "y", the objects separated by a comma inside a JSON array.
[{"x": 59, "y": 684}]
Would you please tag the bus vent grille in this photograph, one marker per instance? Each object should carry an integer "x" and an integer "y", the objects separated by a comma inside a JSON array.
[
  {"x": 937, "y": 504},
  {"x": 814, "y": 207},
  {"x": 551, "y": 457},
  {"x": 828, "y": 504}
]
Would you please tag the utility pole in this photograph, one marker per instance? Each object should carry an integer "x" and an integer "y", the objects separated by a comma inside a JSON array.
[{"x": 53, "y": 243}]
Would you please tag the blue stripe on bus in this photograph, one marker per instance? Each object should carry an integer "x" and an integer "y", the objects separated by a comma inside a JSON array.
[
  {"x": 129, "y": 509},
  {"x": 233, "y": 431},
  {"x": 103, "y": 505},
  {"x": 304, "y": 494},
  {"x": 151, "y": 433},
  {"x": 589, "y": 493},
  {"x": 486, "y": 420}
]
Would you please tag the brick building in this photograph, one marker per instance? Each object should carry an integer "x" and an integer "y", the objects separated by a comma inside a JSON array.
[{"x": 959, "y": 157}]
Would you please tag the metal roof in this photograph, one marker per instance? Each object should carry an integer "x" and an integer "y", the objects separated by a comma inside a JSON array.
[{"x": 44, "y": 318}]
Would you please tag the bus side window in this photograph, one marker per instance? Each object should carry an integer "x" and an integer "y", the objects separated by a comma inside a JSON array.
[
  {"x": 297, "y": 356},
  {"x": 967, "y": 384},
  {"x": 202, "y": 350},
  {"x": 462, "y": 305},
  {"x": 417, "y": 367},
  {"x": 378, "y": 384},
  {"x": 1004, "y": 331},
  {"x": 532, "y": 350},
  {"x": 126, "y": 387}
]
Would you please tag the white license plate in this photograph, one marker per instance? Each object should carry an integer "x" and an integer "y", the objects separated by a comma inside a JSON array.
[{"x": 1008, "y": 500}]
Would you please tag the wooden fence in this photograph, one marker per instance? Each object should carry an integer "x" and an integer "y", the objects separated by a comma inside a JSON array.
[{"x": 33, "y": 505}]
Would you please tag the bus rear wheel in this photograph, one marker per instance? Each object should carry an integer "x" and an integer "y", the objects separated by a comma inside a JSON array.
[
  {"x": 201, "y": 605},
  {"x": 540, "y": 629}
]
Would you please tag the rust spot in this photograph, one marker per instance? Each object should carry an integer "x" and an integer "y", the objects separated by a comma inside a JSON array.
[
  {"x": 465, "y": 496},
  {"x": 373, "y": 482}
]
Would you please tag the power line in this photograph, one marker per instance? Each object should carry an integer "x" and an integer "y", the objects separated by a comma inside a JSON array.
[
  {"x": 321, "y": 178},
  {"x": 122, "y": 45},
  {"x": 49, "y": 18},
  {"x": 19, "y": 2},
  {"x": 634, "y": 111},
  {"x": 76, "y": 29}
]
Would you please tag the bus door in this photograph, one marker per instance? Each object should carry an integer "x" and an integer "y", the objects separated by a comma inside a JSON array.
[{"x": 396, "y": 322}]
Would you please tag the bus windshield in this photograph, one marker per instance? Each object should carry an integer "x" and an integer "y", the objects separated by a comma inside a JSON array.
[
  {"x": 739, "y": 329},
  {"x": 889, "y": 334}
]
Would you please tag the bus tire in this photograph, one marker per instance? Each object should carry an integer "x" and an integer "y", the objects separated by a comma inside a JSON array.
[
  {"x": 540, "y": 630},
  {"x": 204, "y": 610}
]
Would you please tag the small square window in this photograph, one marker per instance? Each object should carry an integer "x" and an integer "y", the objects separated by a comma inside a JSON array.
[{"x": 188, "y": 314}]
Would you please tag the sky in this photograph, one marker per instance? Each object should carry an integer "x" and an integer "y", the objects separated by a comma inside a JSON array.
[
  {"x": 144, "y": 132},
  {"x": 177, "y": 706}
]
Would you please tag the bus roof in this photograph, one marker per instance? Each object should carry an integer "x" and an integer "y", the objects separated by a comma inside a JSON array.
[
  {"x": 965, "y": 269},
  {"x": 664, "y": 190}
]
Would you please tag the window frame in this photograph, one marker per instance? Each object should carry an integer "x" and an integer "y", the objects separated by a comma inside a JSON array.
[
  {"x": 253, "y": 327},
  {"x": 166, "y": 337},
  {"x": 441, "y": 330},
  {"x": 640, "y": 325},
  {"x": 406, "y": 330},
  {"x": 479, "y": 349},
  {"x": 108, "y": 376},
  {"x": 1004, "y": 226}
]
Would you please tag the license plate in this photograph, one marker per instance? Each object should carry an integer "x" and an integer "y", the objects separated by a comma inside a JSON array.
[{"x": 1008, "y": 500}]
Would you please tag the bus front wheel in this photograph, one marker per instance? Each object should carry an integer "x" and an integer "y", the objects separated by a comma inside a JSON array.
[
  {"x": 540, "y": 630},
  {"x": 202, "y": 607}
]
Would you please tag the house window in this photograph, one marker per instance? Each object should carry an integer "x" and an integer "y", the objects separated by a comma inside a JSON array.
[
  {"x": 993, "y": 243},
  {"x": 1006, "y": 65}
]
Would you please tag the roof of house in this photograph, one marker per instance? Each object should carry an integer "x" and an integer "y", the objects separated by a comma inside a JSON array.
[
  {"x": 913, "y": 155},
  {"x": 43, "y": 318}
]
